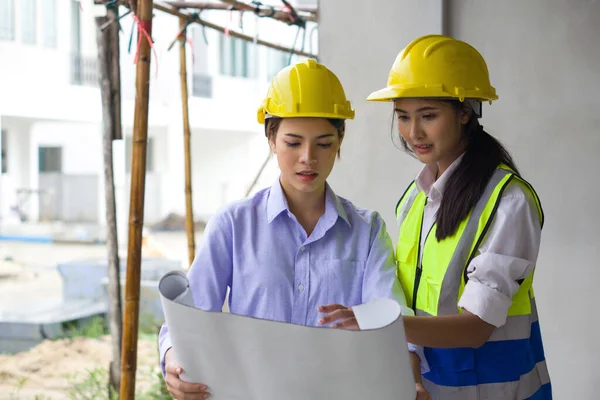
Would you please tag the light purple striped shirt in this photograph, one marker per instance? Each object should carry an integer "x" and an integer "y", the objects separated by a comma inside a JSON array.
[{"x": 258, "y": 249}]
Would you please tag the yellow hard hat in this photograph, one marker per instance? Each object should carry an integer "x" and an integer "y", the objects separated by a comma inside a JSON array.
[
  {"x": 306, "y": 89},
  {"x": 438, "y": 66}
]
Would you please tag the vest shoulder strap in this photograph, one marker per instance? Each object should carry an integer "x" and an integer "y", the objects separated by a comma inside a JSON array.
[
  {"x": 534, "y": 194},
  {"x": 406, "y": 201}
]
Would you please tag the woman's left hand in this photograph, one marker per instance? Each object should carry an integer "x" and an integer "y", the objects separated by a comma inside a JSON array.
[{"x": 342, "y": 316}]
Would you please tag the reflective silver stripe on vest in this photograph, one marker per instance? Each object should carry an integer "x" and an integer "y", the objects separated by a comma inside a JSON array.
[
  {"x": 405, "y": 208},
  {"x": 522, "y": 389},
  {"x": 516, "y": 327},
  {"x": 421, "y": 313},
  {"x": 451, "y": 284}
]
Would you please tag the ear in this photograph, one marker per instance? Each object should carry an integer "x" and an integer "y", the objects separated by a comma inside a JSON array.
[{"x": 465, "y": 115}]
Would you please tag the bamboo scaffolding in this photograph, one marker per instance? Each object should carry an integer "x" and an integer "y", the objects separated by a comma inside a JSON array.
[
  {"x": 267, "y": 11},
  {"x": 165, "y": 7},
  {"x": 307, "y": 13},
  {"x": 189, "y": 212},
  {"x": 136, "y": 206}
]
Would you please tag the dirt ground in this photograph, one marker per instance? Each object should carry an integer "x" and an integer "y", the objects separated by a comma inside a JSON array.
[{"x": 50, "y": 369}]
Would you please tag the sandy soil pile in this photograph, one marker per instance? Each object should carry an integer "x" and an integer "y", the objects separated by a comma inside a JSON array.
[{"x": 51, "y": 368}]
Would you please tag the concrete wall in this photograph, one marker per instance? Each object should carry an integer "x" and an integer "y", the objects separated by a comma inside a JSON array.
[
  {"x": 543, "y": 57},
  {"x": 371, "y": 172}
]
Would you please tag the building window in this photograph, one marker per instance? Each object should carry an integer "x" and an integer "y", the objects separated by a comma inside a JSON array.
[
  {"x": 200, "y": 50},
  {"x": 201, "y": 79},
  {"x": 235, "y": 57},
  {"x": 7, "y": 19},
  {"x": 49, "y": 159},
  {"x": 3, "y": 145},
  {"x": 201, "y": 85},
  {"x": 48, "y": 15},
  {"x": 129, "y": 153},
  {"x": 75, "y": 28},
  {"x": 28, "y": 21}
]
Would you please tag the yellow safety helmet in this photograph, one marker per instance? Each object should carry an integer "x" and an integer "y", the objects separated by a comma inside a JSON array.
[
  {"x": 306, "y": 89},
  {"x": 440, "y": 67}
]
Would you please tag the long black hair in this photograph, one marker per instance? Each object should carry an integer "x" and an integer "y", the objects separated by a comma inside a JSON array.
[{"x": 467, "y": 182}]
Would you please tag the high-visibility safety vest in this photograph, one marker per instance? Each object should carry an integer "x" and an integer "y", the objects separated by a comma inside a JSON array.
[{"x": 511, "y": 364}]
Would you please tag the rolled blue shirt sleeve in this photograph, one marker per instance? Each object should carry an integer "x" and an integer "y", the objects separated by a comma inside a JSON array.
[
  {"x": 380, "y": 279},
  {"x": 210, "y": 274}
]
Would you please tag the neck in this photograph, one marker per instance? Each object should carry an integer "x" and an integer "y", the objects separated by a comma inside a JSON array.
[
  {"x": 308, "y": 207},
  {"x": 444, "y": 164},
  {"x": 302, "y": 203}
]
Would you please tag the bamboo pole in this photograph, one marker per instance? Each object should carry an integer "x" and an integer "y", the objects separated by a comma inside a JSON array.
[
  {"x": 108, "y": 51},
  {"x": 136, "y": 206},
  {"x": 308, "y": 13},
  {"x": 268, "y": 11},
  {"x": 189, "y": 211},
  {"x": 165, "y": 7},
  {"x": 159, "y": 5}
]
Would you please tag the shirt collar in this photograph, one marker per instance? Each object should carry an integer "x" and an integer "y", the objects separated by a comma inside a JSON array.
[
  {"x": 277, "y": 204},
  {"x": 333, "y": 204},
  {"x": 426, "y": 182}
]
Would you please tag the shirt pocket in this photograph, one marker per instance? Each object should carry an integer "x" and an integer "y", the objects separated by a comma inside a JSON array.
[
  {"x": 343, "y": 280},
  {"x": 406, "y": 251}
]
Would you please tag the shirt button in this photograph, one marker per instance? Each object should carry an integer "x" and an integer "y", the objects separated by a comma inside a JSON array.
[
  {"x": 300, "y": 287},
  {"x": 301, "y": 248}
]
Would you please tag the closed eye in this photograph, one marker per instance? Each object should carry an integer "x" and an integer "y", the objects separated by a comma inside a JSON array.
[
  {"x": 324, "y": 145},
  {"x": 292, "y": 144}
]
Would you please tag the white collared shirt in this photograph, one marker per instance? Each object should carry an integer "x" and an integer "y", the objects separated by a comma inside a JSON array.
[{"x": 507, "y": 254}]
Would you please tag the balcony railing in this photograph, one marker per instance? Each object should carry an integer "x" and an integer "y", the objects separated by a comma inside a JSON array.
[{"x": 84, "y": 70}]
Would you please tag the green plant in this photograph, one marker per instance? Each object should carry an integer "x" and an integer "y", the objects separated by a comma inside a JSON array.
[
  {"x": 92, "y": 328},
  {"x": 94, "y": 386},
  {"x": 158, "y": 389},
  {"x": 20, "y": 383}
]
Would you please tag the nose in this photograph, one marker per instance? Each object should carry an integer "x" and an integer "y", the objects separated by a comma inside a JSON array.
[
  {"x": 308, "y": 154},
  {"x": 415, "y": 132}
]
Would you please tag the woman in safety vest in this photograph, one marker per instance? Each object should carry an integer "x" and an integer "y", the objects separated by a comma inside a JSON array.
[
  {"x": 294, "y": 252},
  {"x": 470, "y": 229}
]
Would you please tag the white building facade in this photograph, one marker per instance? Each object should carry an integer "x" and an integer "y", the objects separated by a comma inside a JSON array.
[{"x": 50, "y": 111}]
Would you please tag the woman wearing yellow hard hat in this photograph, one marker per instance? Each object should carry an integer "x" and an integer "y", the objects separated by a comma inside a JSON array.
[
  {"x": 294, "y": 252},
  {"x": 470, "y": 230}
]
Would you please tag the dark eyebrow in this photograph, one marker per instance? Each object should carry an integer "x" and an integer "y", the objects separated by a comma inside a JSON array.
[
  {"x": 301, "y": 137},
  {"x": 427, "y": 108}
]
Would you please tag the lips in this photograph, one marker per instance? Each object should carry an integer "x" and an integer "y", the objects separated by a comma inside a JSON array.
[
  {"x": 423, "y": 148},
  {"x": 307, "y": 176},
  {"x": 307, "y": 173}
]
